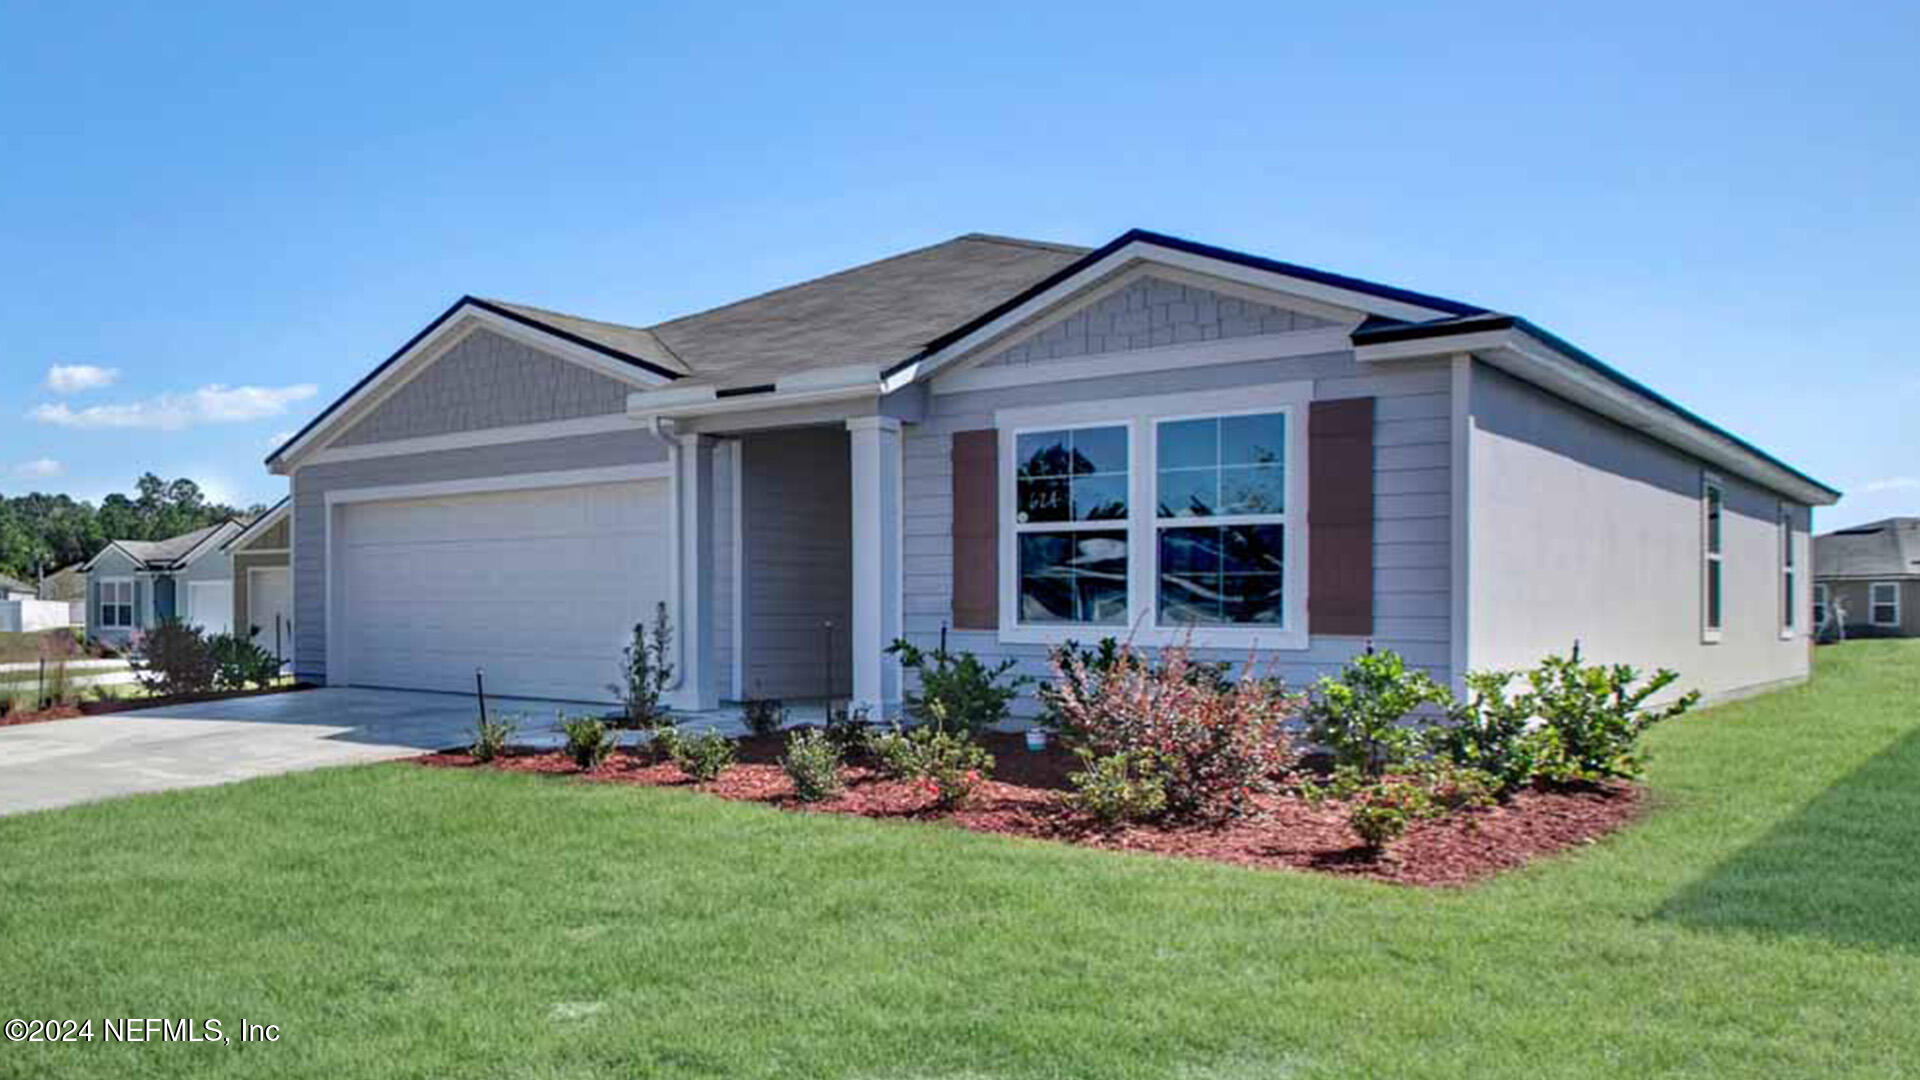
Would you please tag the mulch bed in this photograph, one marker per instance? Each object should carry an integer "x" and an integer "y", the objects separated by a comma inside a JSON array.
[
  {"x": 114, "y": 705},
  {"x": 1023, "y": 798}
]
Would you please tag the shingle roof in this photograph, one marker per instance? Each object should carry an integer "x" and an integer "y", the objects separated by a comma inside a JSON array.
[
  {"x": 9, "y": 584},
  {"x": 1886, "y": 548},
  {"x": 153, "y": 552},
  {"x": 633, "y": 341}
]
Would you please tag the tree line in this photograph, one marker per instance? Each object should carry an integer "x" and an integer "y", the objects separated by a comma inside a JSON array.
[{"x": 41, "y": 532}]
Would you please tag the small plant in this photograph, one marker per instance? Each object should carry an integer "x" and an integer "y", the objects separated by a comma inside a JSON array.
[
  {"x": 645, "y": 672},
  {"x": 957, "y": 691},
  {"x": 702, "y": 758},
  {"x": 174, "y": 660},
  {"x": 1362, "y": 716},
  {"x": 491, "y": 735},
  {"x": 1597, "y": 714},
  {"x": 1381, "y": 812},
  {"x": 238, "y": 663},
  {"x": 1120, "y": 787},
  {"x": 848, "y": 729},
  {"x": 1215, "y": 748},
  {"x": 951, "y": 766},
  {"x": 764, "y": 716},
  {"x": 812, "y": 762},
  {"x": 664, "y": 741},
  {"x": 1381, "y": 809},
  {"x": 589, "y": 741}
]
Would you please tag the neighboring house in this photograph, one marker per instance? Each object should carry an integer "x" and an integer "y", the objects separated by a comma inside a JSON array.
[
  {"x": 135, "y": 585},
  {"x": 262, "y": 582},
  {"x": 1872, "y": 574},
  {"x": 1023, "y": 443},
  {"x": 67, "y": 583},
  {"x": 22, "y": 611},
  {"x": 15, "y": 589}
]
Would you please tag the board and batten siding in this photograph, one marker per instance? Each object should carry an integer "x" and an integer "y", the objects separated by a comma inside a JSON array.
[
  {"x": 1412, "y": 505},
  {"x": 798, "y": 537},
  {"x": 311, "y": 483}
]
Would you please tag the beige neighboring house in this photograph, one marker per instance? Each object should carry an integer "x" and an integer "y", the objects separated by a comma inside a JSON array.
[
  {"x": 68, "y": 583},
  {"x": 1866, "y": 580},
  {"x": 262, "y": 582}
]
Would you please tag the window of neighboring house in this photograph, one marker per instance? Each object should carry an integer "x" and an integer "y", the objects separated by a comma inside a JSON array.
[
  {"x": 1071, "y": 494},
  {"x": 1884, "y": 600},
  {"x": 1786, "y": 571},
  {"x": 1164, "y": 517},
  {"x": 1819, "y": 605},
  {"x": 116, "y": 604},
  {"x": 1712, "y": 510}
]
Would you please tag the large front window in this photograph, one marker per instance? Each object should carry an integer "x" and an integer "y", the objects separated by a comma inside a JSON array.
[
  {"x": 116, "y": 604},
  {"x": 1156, "y": 518}
]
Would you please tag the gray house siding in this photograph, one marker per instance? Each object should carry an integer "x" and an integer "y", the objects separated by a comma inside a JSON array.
[
  {"x": 488, "y": 381},
  {"x": 1856, "y": 596},
  {"x": 1412, "y": 485},
  {"x": 797, "y": 537},
  {"x": 112, "y": 564},
  {"x": 1148, "y": 313},
  {"x": 312, "y": 482},
  {"x": 1581, "y": 529}
]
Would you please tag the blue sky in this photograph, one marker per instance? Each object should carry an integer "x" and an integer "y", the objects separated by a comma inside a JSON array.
[{"x": 233, "y": 211}]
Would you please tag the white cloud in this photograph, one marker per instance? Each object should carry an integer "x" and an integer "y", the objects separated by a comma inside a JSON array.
[
  {"x": 73, "y": 378},
  {"x": 1887, "y": 483},
  {"x": 39, "y": 467},
  {"x": 214, "y": 404}
]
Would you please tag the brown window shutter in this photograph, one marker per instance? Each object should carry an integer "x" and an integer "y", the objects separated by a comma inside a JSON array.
[
  {"x": 976, "y": 530},
  {"x": 1340, "y": 517}
]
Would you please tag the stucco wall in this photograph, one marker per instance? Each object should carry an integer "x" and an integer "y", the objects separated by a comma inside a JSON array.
[
  {"x": 797, "y": 536},
  {"x": 1411, "y": 503},
  {"x": 311, "y": 483},
  {"x": 1581, "y": 529},
  {"x": 486, "y": 381}
]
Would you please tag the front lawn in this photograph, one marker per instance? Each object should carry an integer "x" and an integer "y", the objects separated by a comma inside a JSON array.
[
  {"x": 18, "y": 647},
  {"x": 395, "y": 920}
]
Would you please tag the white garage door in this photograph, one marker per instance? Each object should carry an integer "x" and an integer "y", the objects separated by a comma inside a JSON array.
[{"x": 539, "y": 588}]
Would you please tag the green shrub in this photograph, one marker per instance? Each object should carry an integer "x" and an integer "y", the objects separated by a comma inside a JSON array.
[
  {"x": 1362, "y": 715},
  {"x": 957, "y": 692},
  {"x": 174, "y": 660},
  {"x": 1081, "y": 671},
  {"x": 894, "y": 754},
  {"x": 1381, "y": 808},
  {"x": 764, "y": 716},
  {"x": 238, "y": 663},
  {"x": 1120, "y": 787},
  {"x": 812, "y": 762},
  {"x": 645, "y": 672},
  {"x": 1597, "y": 714},
  {"x": 848, "y": 729},
  {"x": 947, "y": 764},
  {"x": 491, "y": 735},
  {"x": 589, "y": 741},
  {"x": 1496, "y": 733},
  {"x": 702, "y": 758},
  {"x": 663, "y": 743},
  {"x": 1216, "y": 747}
]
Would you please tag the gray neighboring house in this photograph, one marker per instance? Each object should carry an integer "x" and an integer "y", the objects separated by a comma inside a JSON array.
[
  {"x": 15, "y": 589},
  {"x": 1871, "y": 573},
  {"x": 135, "y": 585},
  {"x": 1020, "y": 443},
  {"x": 261, "y": 557}
]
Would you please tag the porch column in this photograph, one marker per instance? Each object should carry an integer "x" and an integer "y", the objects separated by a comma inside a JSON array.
[
  {"x": 693, "y": 621},
  {"x": 876, "y": 561}
]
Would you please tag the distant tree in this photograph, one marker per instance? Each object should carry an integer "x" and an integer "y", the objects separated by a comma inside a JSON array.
[{"x": 41, "y": 532}]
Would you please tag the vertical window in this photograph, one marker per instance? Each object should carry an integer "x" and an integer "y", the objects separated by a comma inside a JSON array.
[
  {"x": 1712, "y": 508},
  {"x": 1787, "y": 604},
  {"x": 1220, "y": 520},
  {"x": 116, "y": 604},
  {"x": 1884, "y": 600},
  {"x": 1070, "y": 514},
  {"x": 1819, "y": 605}
]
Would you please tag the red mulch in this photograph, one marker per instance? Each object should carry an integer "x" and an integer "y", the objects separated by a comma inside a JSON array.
[
  {"x": 114, "y": 705},
  {"x": 1023, "y": 798}
]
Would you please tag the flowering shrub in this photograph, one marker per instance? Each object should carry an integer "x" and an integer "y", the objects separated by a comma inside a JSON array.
[
  {"x": 702, "y": 758},
  {"x": 1215, "y": 745},
  {"x": 812, "y": 762},
  {"x": 1095, "y": 664},
  {"x": 1119, "y": 787},
  {"x": 946, "y": 765},
  {"x": 1360, "y": 715}
]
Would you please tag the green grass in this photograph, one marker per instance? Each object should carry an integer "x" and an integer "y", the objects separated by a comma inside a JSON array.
[{"x": 399, "y": 921}]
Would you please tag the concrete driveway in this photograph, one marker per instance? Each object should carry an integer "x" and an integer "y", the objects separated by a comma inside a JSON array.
[{"x": 100, "y": 757}]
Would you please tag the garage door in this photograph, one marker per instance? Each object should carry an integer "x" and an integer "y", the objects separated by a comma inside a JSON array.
[{"x": 539, "y": 588}]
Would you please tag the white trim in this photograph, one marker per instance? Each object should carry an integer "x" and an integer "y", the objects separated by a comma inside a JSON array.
[
  {"x": 876, "y": 458},
  {"x": 245, "y": 620},
  {"x": 133, "y": 616},
  {"x": 467, "y": 440},
  {"x": 1140, "y": 415},
  {"x": 1142, "y": 361},
  {"x": 1155, "y": 255},
  {"x": 1460, "y": 553},
  {"x": 1873, "y": 605},
  {"x": 462, "y": 321},
  {"x": 702, "y": 401},
  {"x": 1713, "y": 564},
  {"x": 737, "y": 462},
  {"x": 1533, "y": 361},
  {"x": 334, "y": 600},
  {"x": 265, "y": 551},
  {"x": 1788, "y": 587}
]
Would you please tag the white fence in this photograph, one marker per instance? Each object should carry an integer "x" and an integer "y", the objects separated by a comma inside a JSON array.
[{"x": 27, "y": 616}]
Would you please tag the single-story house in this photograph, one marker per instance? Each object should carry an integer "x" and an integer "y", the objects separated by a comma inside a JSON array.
[
  {"x": 262, "y": 580},
  {"x": 135, "y": 585},
  {"x": 1866, "y": 579},
  {"x": 1018, "y": 443},
  {"x": 67, "y": 583},
  {"x": 15, "y": 589}
]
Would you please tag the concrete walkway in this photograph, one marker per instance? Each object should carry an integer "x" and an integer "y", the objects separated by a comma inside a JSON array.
[{"x": 178, "y": 746}]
